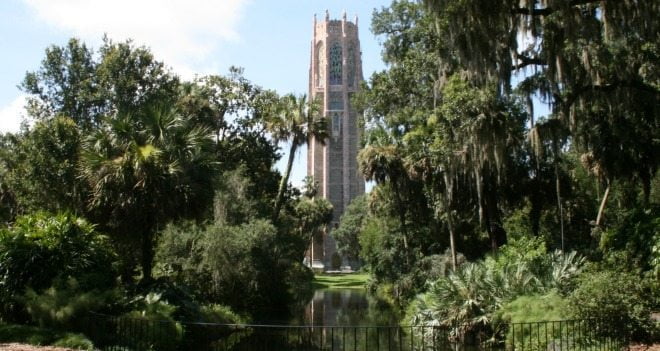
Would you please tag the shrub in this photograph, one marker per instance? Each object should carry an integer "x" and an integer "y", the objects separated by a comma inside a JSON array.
[
  {"x": 150, "y": 325},
  {"x": 40, "y": 248},
  {"x": 618, "y": 298},
  {"x": 220, "y": 314},
  {"x": 64, "y": 305},
  {"x": 240, "y": 266},
  {"x": 534, "y": 308},
  {"x": 74, "y": 341},
  {"x": 529, "y": 309},
  {"x": 472, "y": 295}
]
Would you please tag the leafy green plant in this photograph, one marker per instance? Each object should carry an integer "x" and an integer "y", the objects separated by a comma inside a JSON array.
[
  {"x": 216, "y": 313},
  {"x": 535, "y": 308},
  {"x": 618, "y": 298},
  {"x": 74, "y": 341},
  {"x": 241, "y": 266},
  {"x": 40, "y": 248},
  {"x": 530, "y": 309},
  {"x": 472, "y": 296},
  {"x": 64, "y": 305},
  {"x": 153, "y": 315}
]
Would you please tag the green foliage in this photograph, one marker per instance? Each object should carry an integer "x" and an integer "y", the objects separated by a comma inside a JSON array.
[
  {"x": 146, "y": 167},
  {"x": 74, "y": 341},
  {"x": 473, "y": 295},
  {"x": 42, "y": 336},
  {"x": 64, "y": 305},
  {"x": 448, "y": 143},
  {"x": 350, "y": 226},
  {"x": 636, "y": 235},
  {"x": 41, "y": 167},
  {"x": 215, "y": 313},
  {"x": 614, "y": 296},
  {"x": 309, "y": 216},
  {"x": 151, "y": 310},
  {"x": 297, "y": 121},
  {"x": 535, "y": 308},
  {"x": 531, "y": 309},
  {"x": 72, "y": 83},
  {"x": 40, "y": 248},
  {"x": 240, "y": 266}
]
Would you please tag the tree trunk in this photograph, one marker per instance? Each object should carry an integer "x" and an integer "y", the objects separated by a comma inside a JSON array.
[
  {"x": 452, "y": 246},
  {"x": 449, "y": 197},
  {"x": 496, "y": 232},
  {"x": 560, "y": 209},
  {"x": 402, "y": 217},
  {"x": 284, "y": 182},
  {"x": 601, "y": 209},
  {"x": 147, "y": 257},
  {"x": 536, "y": 200}
]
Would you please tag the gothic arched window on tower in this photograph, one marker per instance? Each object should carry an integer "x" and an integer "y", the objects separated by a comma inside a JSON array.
[
  {"x": 335, "y": 64},
  {"x": 336, "y": 124},
  {"x": 350, "y": 63}
]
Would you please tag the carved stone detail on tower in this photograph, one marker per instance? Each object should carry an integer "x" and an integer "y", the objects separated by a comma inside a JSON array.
[{"x": 335, "y": 74}]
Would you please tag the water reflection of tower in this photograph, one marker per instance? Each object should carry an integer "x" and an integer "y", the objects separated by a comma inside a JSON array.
[
  {"x": 334, "y": 76},
  {"x": 336, "y": 307}
]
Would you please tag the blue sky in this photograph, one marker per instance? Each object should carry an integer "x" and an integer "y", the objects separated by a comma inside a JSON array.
[{"x": 269, "y": 39}]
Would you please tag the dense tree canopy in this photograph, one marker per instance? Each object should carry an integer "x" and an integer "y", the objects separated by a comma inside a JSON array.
[{"x": 456, "y": 144}]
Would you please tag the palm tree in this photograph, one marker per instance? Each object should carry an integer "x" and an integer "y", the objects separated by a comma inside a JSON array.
[
  {"x": 381, "y": 161},
  {"x": 145, "y": 168},
  {"x": 297, "y": 121}
]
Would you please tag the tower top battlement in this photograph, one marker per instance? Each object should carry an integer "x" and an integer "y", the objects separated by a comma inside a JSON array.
[{"x": 343, "y": 18}]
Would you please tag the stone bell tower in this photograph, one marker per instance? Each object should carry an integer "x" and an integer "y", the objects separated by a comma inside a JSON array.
[{"x": 335, "y": 74}]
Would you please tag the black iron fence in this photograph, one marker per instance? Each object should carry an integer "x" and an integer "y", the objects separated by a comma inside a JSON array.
[{"x": 115, "y": 333}]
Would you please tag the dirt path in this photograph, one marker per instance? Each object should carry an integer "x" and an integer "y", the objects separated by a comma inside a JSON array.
[
  {"x": 641, "y": 347},
  {"x": 24, "y": 347}
]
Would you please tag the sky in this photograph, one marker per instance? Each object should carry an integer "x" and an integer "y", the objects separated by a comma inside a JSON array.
[{"x": 269, "y": 39}]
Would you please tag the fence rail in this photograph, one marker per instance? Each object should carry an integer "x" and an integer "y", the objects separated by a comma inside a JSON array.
[{"x": 117, "y": 333}]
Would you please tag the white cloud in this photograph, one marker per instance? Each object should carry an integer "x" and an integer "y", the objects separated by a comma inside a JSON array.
[
  {"x": 183, "y": 33},
  {"x": 12, "y": 115}
]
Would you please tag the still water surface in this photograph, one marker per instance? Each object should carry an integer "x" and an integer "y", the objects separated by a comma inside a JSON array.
[{"x": 346, "y": 307}]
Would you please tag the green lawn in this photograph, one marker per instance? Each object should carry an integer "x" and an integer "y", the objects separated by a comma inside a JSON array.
[{"x": 340, "y": 281}]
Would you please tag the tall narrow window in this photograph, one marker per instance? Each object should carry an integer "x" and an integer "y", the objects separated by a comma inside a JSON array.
[
  {"x": 336, "y": 124},
  {"x": 320, "y": 61},
  {"x": 335, "y": 64},
  {"x": 350, "y": 63}
]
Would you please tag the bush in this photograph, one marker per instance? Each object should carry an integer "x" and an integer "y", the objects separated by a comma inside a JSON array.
[
  {"x": 156, "y": 329},
  {"x": 472, "y": 295},
  {"x": 534, "y": 308},
  {"x": 239, "y": 266},
  {"x": 64, "y": 305},
  {"x": 74, "y": 341},
  {"x": 530, "y": 309},
  {"x": 614, "y": 297},
  {"x": 635, "y": 239},
  {"x": 220, "y": 314},
  {"x": 40, "y": 248}
]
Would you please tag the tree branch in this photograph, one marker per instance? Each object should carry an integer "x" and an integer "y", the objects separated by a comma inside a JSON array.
[
  {"x": 604, "y": 88},
  {"x": 548, "y": 10},
  {"x": 534, "y": 12},
  {"x": 526, "y": 61}
]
